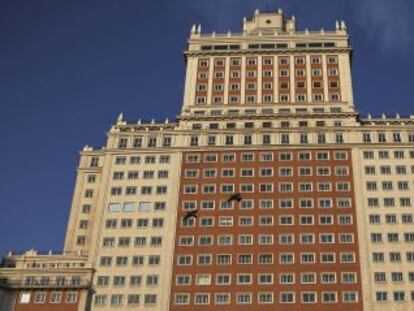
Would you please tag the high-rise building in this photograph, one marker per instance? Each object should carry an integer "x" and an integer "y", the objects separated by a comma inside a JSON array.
[{"x": 269, "y": 191}]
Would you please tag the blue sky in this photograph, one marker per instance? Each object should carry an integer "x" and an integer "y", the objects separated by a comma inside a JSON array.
[{"x": 67, "y": 68}]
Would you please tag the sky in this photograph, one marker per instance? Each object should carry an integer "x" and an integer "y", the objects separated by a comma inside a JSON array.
[{"x": 68, "y": 68}]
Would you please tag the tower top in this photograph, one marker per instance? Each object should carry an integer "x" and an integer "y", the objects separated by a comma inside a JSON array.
[
  {"x": 271, "y": 63},
  {"x": 273, "y": 22}
]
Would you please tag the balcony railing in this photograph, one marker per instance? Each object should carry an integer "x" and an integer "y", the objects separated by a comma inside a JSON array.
[
  {"x": 47, "y": 253},
  {"x": 38, "y": 284}
]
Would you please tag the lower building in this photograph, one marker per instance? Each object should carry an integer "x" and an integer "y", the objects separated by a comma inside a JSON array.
[{"x": 45, "y": 282}]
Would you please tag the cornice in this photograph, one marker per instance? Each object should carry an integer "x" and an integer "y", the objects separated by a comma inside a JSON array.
[
  {"x": 268, "y": 52},
  {"x": 186, "y": 149},
  {"x": 268, "y": 116}
]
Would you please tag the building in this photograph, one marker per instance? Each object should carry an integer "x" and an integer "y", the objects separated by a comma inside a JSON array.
[{"x": 268, "y": 191}]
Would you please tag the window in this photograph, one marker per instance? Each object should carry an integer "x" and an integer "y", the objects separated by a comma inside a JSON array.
[
  {"x": 407, "y": 218},
  {"x": 194, "y": 141},
  {"x": 182, "y": 299},
  {"x": 227, "y": 188},
  {"x": 308, "y": 297},
  {"x": 205, "y": 240},
  {"x": 118, "y": 280},
  {"x": 94, "y": 162},
  {"x": 381, "y": 296},
  {"x": 329, "y": 297},
  {"x": 285, "y": 187},
  {"x": 71, "y": 297},
  {"x": 189, "y": 189},
  {"x": 209, "y": 188},
  {"x": 307, "y": 258},
  {"x": 246, "y": 172},
  {"x": 133, "y": 299},
  {"x": 100, "y": 299},
  {"x": 266, "y": 239},
  {"x": 350, "y": 297},
  {"x": 285, "y": 171},
  {"x": 166, "y": 142},
  {"x": 266, "y": 204},
  {"x": 140, "y": 241},
  {"x": 130, "y": 190},
  {"x": 150, "y": 299},
  {"x": 327, "y": 238},
  {"x": 308, "y": 278},
  {"x": 317, "y": 97},
  {"x": 89, "y": 193},
  {"x": 306, "y": 220},
  {"x": 395, "y": 257},
  {"x": 286, "y": 239},
  {"x": 152, "y": 280},
  {"x": 307, "y": 238},
  {"x": 244, "y": 298},
  {"x": 264, "y": 298},
  {"x": 305, "y": 187},
  {"x": 287, "y": 297},
  {"x": 286, "y": 220},
  {"x": 397, "y": 277},
  {"x": 326, "y": 220},
  {"x": 183, "y": 279},
  {"x": 285, "y": 203},
  {"x": 396, "y": 137},
  {"x": 325, "y": 203},
  {"x": 159, "y": 206},
  {"x": 399, "y": 296},
  {"x": 154, "y": 260},
  {"x": 348, "y": 278},
  {"x": 245, "y": 259},
  {"x": 225, "y": 221},
  {"x": 286, "y": 258},
  {"x": 203, "y": 279},
  {"x": 229, "y": 157},
  {"x": 243, "y": 279},
  {"x": 347, "y": 257},
  {"x": 265, "y": 259},
  {"x": 345, "y": 219},
  {"x": 39, "y": 298},
  {"x": 55, "y": 297}
]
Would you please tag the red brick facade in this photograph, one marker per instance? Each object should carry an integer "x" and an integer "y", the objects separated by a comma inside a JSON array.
[{"x": 284, "y": 241}]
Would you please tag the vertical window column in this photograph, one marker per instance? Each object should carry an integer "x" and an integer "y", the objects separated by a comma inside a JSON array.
[
  {"x": 308, "y": 78},
  {"x": 276, "y": 80},
  {"x": 325, "y": 78},
  {"x": 317, "y": 74},
  {"x": 259, "y": 99},
  {"x": 334, "y": 85},
  {"x": 292, "y": 78},
  {"x": 201, "y": 87},
  {"x": 243, "y": 81},
  {"x": 226, "y": 80},
  {"x": 210, "y": 80},
  {"x": 284, "y": 79}
]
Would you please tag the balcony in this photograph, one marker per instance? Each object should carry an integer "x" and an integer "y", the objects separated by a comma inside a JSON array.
[{"x": 40, "y": 284}]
